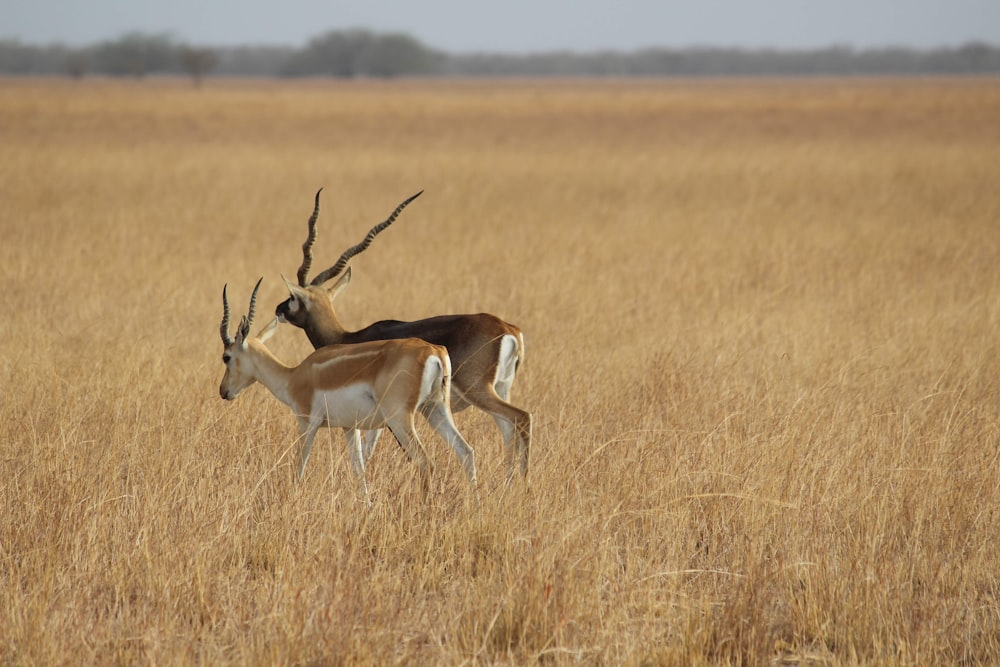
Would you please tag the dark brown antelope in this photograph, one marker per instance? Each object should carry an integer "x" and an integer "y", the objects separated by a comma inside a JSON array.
[
  {"x": 367, "y": 386},
  {"x": 485, "y": 351}
]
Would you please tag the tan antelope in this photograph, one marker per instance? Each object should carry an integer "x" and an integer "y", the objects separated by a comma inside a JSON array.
[
  {"x": 367, "y": 386},
  {"x": 485, "y": 351}
]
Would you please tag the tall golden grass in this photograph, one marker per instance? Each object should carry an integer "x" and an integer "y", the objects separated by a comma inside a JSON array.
[{"x": 762, "y": 360}]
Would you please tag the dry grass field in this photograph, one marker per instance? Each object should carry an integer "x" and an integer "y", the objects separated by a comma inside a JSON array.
[{"x": 762, "y": 358}]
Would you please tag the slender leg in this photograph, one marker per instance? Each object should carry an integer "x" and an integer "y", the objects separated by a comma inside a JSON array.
[
  {"x": 353, "y": 436},
  {"x": 307, "y": 435},
  {"x": 402, "y": 429},
  {"x": 508, "y": 432},
  {"x": 440, "y": 419},
  {"x": 513, "y": 422},
  {"x": 523, "y": 427},
  {"x": 368, "y": 441}
]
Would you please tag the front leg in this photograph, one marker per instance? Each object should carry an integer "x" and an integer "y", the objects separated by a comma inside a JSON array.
[
  {"x": 368, "y": 444},
  {"x": 307, "y": 435},
  {"x": 355, "y": 453}
]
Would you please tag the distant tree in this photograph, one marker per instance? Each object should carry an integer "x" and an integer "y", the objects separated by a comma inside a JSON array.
[
  {"x": 393, "y": 55},
  {"x": 352, "y": 53},
  {"x": 977, "y": 57},
  {"x": 362, "y": 53},
  {"x": 253, "y": 60},
  {"x": 334, "y": 53},
  {"x": 15, "y": 57},
  {"x": 77, "y": 62},
  {"x": 22, "y": 59},
  {"x": 136, "y": 54},
  {"x": 198, "y": 62}
]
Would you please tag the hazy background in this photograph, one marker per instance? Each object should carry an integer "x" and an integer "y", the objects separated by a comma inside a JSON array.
[{"x": 518, "y": 26}]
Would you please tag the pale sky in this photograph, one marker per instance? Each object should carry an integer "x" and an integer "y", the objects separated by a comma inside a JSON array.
[{"x": 517, "y": 25}]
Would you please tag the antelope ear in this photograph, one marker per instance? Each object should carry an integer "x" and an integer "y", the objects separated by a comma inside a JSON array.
[
  {"x": 293, "y": 289},
  {"x": 268, "y": 330},
  {"x": 342, "y": 282},
  {"x": 298, "y": 297},
  {"x": 243, "y": 332}
]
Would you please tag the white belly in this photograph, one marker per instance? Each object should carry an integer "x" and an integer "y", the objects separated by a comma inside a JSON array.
[{"x": 348, "y": 407}]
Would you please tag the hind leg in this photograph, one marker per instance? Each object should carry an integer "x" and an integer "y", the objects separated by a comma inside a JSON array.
[
  {"x": 440, "y": 419},
  {"x": 513, "y": 422},
  {"x": 508, "y": 433},
  {"x": 507, "y": 429},
  {"x": 402, "y": 429}
]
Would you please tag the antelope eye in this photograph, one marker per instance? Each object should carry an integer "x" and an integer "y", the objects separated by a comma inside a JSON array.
[{"x": 226, "y": 358}]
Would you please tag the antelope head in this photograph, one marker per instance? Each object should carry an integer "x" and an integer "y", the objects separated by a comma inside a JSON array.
[
  {"x": 310, "y": 303},
  {"x": 240, "y": 372}
]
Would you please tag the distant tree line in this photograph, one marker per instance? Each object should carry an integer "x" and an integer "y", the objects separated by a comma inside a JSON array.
[{"x": 365, "y": 54}]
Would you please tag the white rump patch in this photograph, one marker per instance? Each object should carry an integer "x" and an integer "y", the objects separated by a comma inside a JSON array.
[
  {"x": 507, "y": 365},
  {"x": 431, "y": 380}
]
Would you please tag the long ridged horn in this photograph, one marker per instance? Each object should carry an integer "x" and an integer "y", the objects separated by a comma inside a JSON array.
[
  {"x": 307, "y": 256},
  {"x": 361, "y": 247},
  {"x": 227, "y": 340},
  {"x": 248, "y": 320}
]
